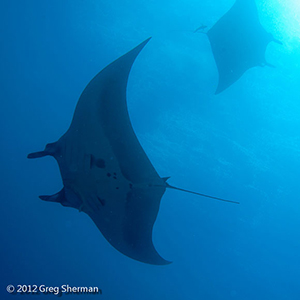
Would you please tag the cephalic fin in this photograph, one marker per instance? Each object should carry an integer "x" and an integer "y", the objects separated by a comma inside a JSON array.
[
  {"x": 277, "y": 41},
  {"x": 50, "y": 149},
  {"x": 37, "y": 154},
  {"x": 64, "y": 197},
  {"x": 269, "y": 65},
  {"x": 58, "y": 197},
  {"x": 200, "y": 29}
]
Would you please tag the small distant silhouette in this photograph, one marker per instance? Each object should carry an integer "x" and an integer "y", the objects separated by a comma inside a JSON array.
[{"x": 238, "y": 43}]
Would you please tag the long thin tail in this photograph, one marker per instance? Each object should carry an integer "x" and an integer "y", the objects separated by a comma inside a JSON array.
[{"x": 199, "y": 194}]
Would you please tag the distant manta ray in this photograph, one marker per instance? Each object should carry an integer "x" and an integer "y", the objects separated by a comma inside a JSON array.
[
  {"x": 238, "y": 43},
  {"x": 105, "y": 171}
]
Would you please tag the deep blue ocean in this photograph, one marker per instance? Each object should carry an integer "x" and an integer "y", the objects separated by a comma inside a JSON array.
[{"x": 243, "y": 145}]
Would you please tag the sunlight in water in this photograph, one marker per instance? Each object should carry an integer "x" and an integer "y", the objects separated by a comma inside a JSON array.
[{"x": 288, "y": 19}]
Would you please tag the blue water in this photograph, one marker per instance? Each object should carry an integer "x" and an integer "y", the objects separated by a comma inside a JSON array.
[{"x": 242, "y": 145}]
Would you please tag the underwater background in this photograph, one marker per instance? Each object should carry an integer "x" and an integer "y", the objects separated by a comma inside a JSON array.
[{"x": 242, "y": 144}]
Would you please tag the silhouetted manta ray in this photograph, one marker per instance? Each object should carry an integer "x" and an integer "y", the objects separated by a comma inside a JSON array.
[
  {"x": 238, "y": 42},
  {"x": 104, "y": 169}
]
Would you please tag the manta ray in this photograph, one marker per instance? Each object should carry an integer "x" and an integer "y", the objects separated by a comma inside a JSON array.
[
  {"x": 238, "y": 43},
  {"x": 105, "y": 171}
]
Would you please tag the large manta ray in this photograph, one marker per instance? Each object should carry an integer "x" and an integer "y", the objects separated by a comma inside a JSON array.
[
  {"x": 104, "y": 169},
  {"x": 238, "y": 42}
]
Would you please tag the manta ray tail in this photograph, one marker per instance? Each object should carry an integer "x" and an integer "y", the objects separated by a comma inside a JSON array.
[{"x": 199, "y": 194}]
